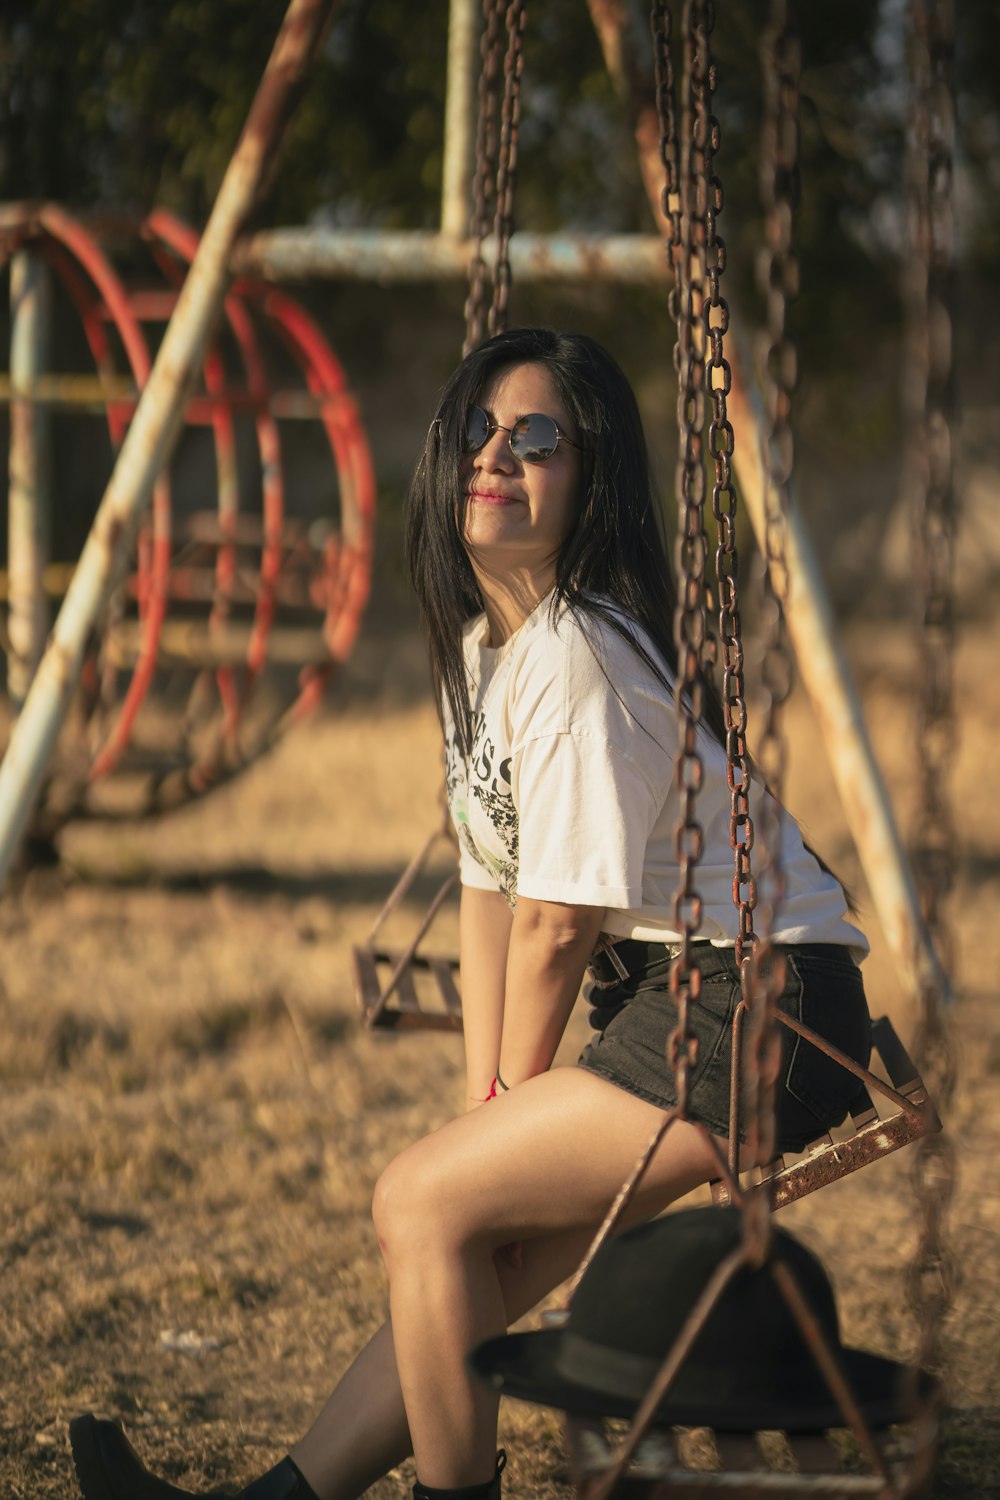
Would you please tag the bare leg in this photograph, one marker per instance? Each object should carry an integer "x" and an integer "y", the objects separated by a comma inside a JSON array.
[
  {"x": 543, "y": 1161},
  {"x": 362, "y": 1431}
]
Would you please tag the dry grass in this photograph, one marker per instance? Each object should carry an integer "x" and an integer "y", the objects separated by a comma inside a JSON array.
[{"x": 191, "y": 1118}]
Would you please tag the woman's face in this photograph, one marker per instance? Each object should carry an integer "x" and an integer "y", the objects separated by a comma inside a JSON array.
[{"x": 519, "y": 514}]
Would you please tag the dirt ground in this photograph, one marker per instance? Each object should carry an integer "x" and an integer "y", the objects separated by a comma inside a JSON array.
[{"x": 192, "y": 1119}]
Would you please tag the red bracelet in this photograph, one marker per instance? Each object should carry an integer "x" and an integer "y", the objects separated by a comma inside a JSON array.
[{"x": 497, "y": 1081}]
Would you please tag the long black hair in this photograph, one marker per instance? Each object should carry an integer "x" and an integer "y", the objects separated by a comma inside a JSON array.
[{"x": 615, "y": 552}]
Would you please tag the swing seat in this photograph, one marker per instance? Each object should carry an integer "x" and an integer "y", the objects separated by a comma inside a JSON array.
[
  {"x": 385, "y": 981},
  {"x": 392, "y": 983},
  {"x": 870, "y": 1136},
  {"x": 668, "y": 1464}
]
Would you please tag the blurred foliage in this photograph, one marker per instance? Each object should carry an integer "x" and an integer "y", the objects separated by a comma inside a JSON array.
[{"x": 126, "y": 103}]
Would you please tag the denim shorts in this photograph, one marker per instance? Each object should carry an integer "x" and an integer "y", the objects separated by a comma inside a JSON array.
[{"x": 633, "y": 1019}]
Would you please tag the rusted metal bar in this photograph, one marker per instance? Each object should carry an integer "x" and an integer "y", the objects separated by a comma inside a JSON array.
[
  {"x": 826, "y": 1359},
  {"x": 93, "y": 393},
  {"x": 29, "y": 509},
  {"x": 849, "y": 1065},
  {"x": 304, "y": 589},
  {"x": 407, "y": 1014},
  {"x": 589, "y": 1453},
  {"x": 870, "y": 1144},
  {"x": 412, "y": 255},
  {"x": 740, "y": 1017},
  {"x": 154, "y": 429},
  {"x": 464, "y": 18},
  {"x": 189, "y": 642},
  {"x": 666, "y": 1375},
  {"x": 629, "y": 1187}
]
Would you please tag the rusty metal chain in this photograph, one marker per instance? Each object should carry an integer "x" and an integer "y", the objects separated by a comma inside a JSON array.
[
  {"x": 778, "y": 275},
  {"x": 692, "y": 542},
  {"x": 484, "y": 181},
  {"x": 507, "y": 164},
  {"x": 661, "y": 26},
  {"x": 928, "y": 399},
  {"x": 721, "y": 444}
]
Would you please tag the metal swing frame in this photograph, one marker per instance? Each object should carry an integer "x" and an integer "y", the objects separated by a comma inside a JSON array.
[
  {"x": 153, "y": 430},
  {"x": 391, "y": 983},
  {"x": 385, "y": 978},
  {"x": 596, "y": 1470},
  {"x": 869, "y": 1138}
]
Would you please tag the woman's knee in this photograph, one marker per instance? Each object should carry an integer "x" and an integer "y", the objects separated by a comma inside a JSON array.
[
  {"x": 409, "y": 1210},
  {"x": 392, "y": 1202}
]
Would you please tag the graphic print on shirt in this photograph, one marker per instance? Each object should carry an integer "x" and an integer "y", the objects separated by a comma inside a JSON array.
[{"x": 486, "y": 779}]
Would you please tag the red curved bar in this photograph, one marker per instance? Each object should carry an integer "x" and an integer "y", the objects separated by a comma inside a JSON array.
[
  {"x": 342, "y": 586},
  {"x": 183, "y": 240},
  {"x": 351, "y": 585},
  {"x": 80, "y": 248}
]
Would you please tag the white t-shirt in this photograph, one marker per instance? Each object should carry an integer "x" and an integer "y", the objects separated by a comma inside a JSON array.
[{"x": 570, "y": 795}]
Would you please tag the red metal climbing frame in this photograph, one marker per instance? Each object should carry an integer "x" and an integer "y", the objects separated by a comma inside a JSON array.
[{"x": 221, "y": 593}]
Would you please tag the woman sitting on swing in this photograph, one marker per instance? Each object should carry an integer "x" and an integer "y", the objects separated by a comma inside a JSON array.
[{"x": 536, "y": 555}]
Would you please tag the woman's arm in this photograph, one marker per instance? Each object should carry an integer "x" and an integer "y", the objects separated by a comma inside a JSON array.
[
  {"x": 484, "y": 935},
  {"x": 550, "y": 945}
]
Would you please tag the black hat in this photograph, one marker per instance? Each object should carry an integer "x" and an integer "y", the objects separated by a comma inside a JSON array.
[{"x": 749, "y": 1369}]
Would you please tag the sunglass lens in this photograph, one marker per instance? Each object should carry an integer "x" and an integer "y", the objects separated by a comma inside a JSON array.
[
  {"x": 477, "y": 429},
  {"x": 534, "y": 438}
]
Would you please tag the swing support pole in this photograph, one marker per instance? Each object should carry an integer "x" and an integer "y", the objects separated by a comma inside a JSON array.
[
  {"x": 459, "y": 117},
  {"x": 155, "y": 426},
  {"x": 827, "y": 678},
  {"x": 29, "y": 518}
]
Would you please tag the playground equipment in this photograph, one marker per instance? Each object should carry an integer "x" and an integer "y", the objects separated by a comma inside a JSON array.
[
  {"x": 691, "y": 204},
  {"x": 216, "y": 595},
  {"x": 692, "y": 199},
  {"x": 149, "y": 441}
]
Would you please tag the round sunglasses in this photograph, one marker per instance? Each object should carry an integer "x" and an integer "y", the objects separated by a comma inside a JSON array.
[{"x": 533, "y": 438}]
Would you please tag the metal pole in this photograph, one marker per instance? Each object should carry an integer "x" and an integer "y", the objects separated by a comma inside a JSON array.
[
  {"x": 154, "y": 429},
  {"x": 29, "y": 517},
  {"x": 416, "y": 255},
  {"x": 459, "y": 117}
]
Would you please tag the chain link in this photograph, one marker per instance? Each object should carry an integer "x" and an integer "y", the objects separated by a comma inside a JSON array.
[
  {"x": 661, "y": 26},
  {"x": 777, "y": 271},
  {"x": 721, "y": 444},
  {"x": 928, "y": 400},
  {"x": 483, "y": 183},
  {"x": 692, "y": 542},
  {"x": 507, "y": 164}
]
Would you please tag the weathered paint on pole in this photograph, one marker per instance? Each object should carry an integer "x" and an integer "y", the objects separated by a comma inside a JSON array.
[
  {"x": 154, "y": 429},
  {"x": 414, "y": 255},
  {"x": 29, "y": 516},
  {"x": 95, "y": 393},
  {"x": 464, "y": 25}
]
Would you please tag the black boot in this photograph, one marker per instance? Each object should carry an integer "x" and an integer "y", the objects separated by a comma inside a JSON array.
[
  {"x": 109, "y": 1468},
  {"x": 488, "y": 1491}
]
